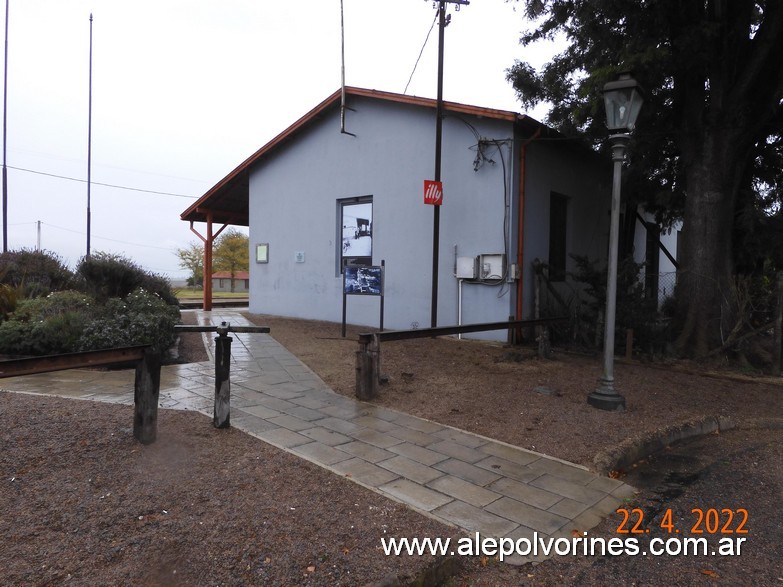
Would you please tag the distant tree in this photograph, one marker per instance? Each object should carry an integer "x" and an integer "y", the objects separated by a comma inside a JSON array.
[
  {"x": 231, "y": 253},
  {"x": 708, "y": 143},
  {"x": 191, "y": 258}
]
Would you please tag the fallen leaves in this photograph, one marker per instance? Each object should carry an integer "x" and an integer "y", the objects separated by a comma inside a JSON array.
[{"x": 710, "y": 573}]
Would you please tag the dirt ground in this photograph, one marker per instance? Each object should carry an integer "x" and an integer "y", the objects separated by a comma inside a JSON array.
[{"x": 81, "y": 501}]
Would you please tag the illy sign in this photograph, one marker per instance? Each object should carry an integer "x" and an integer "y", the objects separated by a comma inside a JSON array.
[{"x": 433, "y": 192}]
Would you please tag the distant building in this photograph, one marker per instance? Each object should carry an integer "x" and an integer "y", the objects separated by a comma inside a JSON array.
[
  {"x": 658, "y": 249},
  {"x": 221, "y": 281}
]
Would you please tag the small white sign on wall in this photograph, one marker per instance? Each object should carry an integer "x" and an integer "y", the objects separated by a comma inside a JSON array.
[{"x": 299, "y": 256}]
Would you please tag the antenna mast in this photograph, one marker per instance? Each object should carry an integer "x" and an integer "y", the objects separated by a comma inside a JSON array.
[
  {"x": 5, "y": 126},
  {"x": 89, "y": 145}
]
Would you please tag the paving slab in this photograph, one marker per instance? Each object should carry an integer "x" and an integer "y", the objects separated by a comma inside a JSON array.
[{"x": 464, "y": 479}]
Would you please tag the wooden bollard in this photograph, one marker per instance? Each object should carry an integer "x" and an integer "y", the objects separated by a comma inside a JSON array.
[
  {"x": 222, "y": 413},
  {"x": 145, "y": 399},
  {"x": 368, "y": 367}
]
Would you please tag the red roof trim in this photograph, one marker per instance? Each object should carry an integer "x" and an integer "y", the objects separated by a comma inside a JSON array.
[{"x": 227, "y": 275}]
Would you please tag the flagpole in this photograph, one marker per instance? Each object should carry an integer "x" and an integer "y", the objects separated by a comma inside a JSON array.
[
  {"x": 5, "y": 133},
  {"x": 89, "y": 146}
]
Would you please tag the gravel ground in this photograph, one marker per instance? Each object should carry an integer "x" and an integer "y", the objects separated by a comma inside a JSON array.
[{"x": 81, "y": 501}]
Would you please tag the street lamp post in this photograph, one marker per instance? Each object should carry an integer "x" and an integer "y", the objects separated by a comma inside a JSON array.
[{"x": 623, "y": 100}]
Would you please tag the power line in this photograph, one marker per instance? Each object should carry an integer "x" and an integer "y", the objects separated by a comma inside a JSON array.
[
  {"x": 108, "y": 185},
  {"x": 107, "y": 239}
]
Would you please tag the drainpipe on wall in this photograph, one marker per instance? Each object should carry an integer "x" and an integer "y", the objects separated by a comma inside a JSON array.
[{"x": 521, "y": 228}]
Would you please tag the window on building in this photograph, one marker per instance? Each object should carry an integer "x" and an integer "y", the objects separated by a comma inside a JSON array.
[
  {"x": 558, "y": 213},
  {"x": 354, "y": 228}
]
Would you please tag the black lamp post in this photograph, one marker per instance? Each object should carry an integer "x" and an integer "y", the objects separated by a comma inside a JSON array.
[{"x": 623, "y": 100}]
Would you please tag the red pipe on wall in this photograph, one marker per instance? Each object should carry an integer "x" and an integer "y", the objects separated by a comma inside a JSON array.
[{"x": 521, "y": 225}]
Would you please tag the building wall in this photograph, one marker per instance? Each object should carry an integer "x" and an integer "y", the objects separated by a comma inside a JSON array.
[
  {"x": 667, "y": 272},
  {"x": 585, "y": 180},
  {"x": 293, "y": 207},
  {"x": 224, "y": 285}
]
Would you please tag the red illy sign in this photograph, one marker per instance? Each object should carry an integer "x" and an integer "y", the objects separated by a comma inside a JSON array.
[{"x": 433, "y": 192}]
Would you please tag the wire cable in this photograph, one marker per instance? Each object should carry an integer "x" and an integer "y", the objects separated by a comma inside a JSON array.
[
  {"x": 107, "y": 239},
  {"x": 432, "y": 26},
  {"x": 108, "y": 185}
]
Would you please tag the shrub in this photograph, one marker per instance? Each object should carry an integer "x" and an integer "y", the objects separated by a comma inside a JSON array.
[
  {"x": 8, "y": 299},
  {"x": 633, "y": 309},
  {"x": 48, "y": 325},
  {"x": 34, "y": 273},
  {"x": 104, "y": 276},
  {"x": 141, "y": 318}
]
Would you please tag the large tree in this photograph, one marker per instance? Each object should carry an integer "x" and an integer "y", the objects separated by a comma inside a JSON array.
[
  {"x": 709, "y": 136},
  {"x": 231, "y": 253}
]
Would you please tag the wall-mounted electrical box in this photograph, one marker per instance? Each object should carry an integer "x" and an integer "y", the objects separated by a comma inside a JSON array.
[
  {"x": 466, "y": 268},
  {"x": 492, "y": 266}
]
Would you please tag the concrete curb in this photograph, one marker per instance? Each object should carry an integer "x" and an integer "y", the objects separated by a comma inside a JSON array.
[{"x": 632, "y": 450}]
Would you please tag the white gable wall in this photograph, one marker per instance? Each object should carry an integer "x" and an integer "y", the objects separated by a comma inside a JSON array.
[{"x": 293, "y": 207}]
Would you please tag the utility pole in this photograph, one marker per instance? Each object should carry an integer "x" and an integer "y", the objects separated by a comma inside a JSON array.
[
  {"x": 89, "y": 145},
  {"x": 443, "y": 21}
]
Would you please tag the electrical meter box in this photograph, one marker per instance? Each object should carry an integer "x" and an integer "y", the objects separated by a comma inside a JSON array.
[
  {"x": 466, "y": 268},
  {"x": 492, "y": 266}
]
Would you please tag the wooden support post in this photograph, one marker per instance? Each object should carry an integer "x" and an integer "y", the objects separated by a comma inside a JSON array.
[
  {"x": 368, "y": 368},
  {"x": 146, "y": 391},
  {"x": 222, "y": 378}
]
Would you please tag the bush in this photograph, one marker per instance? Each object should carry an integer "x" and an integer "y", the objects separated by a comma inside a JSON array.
[
  {"x": 8, "y": 299},
  {"x": 104, "y": 276},
  {"x": 34, "y": 273},
  {"x": 633, "y": 310},
  {"x": 48, "y": 325},
  {"x": 141, "y": 318}
]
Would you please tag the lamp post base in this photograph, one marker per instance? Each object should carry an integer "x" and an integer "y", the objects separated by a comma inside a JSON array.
[{"x": 606, "y": 398}]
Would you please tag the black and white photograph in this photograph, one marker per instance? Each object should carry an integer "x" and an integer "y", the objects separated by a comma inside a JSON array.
[
  {"x": 363, "y": 280},
  {"x": 357, "y": 233}
]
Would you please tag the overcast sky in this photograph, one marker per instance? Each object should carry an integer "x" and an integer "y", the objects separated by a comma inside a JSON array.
[{"x": 184, "y": 90}]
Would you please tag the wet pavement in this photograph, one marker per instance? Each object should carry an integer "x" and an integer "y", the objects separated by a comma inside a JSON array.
[{"x": 460, "y": 478}]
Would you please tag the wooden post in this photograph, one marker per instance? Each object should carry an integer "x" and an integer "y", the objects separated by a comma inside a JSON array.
[
  {"x": 777, "y": 350},
  {"x": 146, "y": 391},
  {"x": 629, "y": 344},
  {"x": 222, "y": 378},
  {"x": 544, "y": 346},
  {"x": 368, "y": 367}
]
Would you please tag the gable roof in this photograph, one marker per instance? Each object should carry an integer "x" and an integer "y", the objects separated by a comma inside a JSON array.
[{"x": 228, "y": 201}]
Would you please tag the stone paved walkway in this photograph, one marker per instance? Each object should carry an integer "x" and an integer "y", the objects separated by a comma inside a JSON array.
[{"x": 476, "y": 483}]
